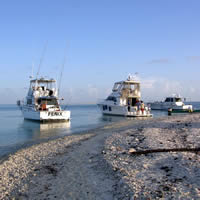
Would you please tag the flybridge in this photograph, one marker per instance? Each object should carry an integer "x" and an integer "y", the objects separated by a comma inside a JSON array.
[
  {"x": 128, "y": 82},
  {"x": 127, "y": 88},
  {"x": 43, "y": 87}
]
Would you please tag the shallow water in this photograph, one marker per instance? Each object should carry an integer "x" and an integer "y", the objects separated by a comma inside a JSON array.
[{"x": 15, "y": 132}]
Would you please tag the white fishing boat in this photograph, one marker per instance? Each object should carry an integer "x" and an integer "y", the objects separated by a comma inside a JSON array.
[
  {"x": 42, "y": 102},
  {"x": 174, "y": 102},
  {"x": 125, "y": 100}
]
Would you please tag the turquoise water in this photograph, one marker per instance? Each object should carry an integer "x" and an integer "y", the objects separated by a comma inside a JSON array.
[{"x": 16, "y": 133}]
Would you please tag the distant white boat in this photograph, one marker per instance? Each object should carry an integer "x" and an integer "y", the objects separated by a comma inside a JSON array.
[
  {"x": 174, "y": 102},
  {"x": 42, "y": 102},
  {"x": 125, "y": 100}
]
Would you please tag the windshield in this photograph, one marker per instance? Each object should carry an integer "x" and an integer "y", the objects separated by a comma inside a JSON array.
[
  {"x": 116, "y": 86},
  {"x": 110, "y": 98},
  {"x": 178, "y": 99}
]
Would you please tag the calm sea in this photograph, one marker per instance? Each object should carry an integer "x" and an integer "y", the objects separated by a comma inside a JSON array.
[{"x": 16, "y": 133}]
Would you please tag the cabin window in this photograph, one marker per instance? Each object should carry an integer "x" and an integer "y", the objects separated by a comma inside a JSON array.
[
  {"x": 110, "y": 109},
  {"x": 132, "y": 87},
  {"x": 110, "y": 98},
  {"x": 105, "y": 107},
  {"x": 178, "y": 99},
  {"x": 126, "y": 86},
  {"x": 116, "y": 87},
  {"x": 167, "y": 100}
]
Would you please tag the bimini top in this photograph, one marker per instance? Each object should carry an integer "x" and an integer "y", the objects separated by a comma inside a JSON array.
[
  {"x": 42, "y": 80},
  {"x": 130, "y": 80}
]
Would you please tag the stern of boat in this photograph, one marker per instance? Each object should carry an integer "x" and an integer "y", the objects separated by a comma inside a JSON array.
[{"x": 55, "y": 115}]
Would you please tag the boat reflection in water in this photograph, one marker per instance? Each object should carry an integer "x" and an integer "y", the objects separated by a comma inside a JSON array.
[
  {"x": 32, "y": 130},
  {"x": 109, "y": 118}
]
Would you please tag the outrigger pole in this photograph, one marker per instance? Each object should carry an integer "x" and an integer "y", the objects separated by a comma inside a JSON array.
[
  {"x": 61, "y": 73},
  {"x": 41, "y": 59}
]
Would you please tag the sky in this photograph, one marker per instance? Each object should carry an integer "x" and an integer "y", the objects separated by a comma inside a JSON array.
[{"x": 103, "y": 41}]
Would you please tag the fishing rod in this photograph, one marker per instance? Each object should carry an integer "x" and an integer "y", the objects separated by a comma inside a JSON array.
[
  {"x": 67, "y": 103},
  {"x": 31, "y": 76}
]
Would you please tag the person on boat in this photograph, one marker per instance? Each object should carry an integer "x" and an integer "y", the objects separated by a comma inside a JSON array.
[
  {"x": 129, "y": 107},
  {"x": 138, "y": 104},
  {"x": 142, "y": 107}
]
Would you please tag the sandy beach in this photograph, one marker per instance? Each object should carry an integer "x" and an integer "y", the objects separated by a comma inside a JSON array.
[{"x": 154, "y": 158}]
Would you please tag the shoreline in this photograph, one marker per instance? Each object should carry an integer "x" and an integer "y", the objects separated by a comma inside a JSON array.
[
  {"x": 29, "y": 144},
  {"x": 101, "y": 164}
]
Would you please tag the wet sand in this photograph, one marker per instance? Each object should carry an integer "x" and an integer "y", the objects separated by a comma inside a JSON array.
[{"x": 144, "y": 159}]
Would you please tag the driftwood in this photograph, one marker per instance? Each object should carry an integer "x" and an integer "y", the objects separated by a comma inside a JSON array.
[{"x": 193, "y": 150}]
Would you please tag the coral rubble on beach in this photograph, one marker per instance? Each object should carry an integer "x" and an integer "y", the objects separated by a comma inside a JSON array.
[
  {"x": 164, "y": 173},
  {"x": 147, "y": 159}
]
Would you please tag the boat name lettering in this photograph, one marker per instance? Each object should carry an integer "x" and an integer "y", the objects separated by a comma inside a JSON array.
[{"x": 54, "y": 113}]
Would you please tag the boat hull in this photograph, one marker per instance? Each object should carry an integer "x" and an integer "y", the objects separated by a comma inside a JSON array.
[
  {"x": 116, "y": 110},
  {"x": 63, "y": 115},
  {"x": 161, "y": 106},
  {"x": 185, "y": 111}
]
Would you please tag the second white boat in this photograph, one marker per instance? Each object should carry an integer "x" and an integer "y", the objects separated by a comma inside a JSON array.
[
  {"x": 125, "y": 100},
  {"x": 174, "y": 102}
]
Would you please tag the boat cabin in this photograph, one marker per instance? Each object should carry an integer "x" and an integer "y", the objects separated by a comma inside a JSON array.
[
  {"x": 173, "y": 99},
  {"x": 44, "y": 103},
  {"x": 48, "y": 101},
  {"x": 126, "y": 92},
  {"x": 177, "y": 100}
]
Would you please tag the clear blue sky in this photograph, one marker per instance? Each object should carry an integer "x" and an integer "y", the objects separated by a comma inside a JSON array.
[{"x": 105, "y": 41}]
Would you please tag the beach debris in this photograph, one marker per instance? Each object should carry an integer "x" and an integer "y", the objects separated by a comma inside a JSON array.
[
  {"x": 131, "y": 151},
  {"x": 51, "y": 170},
  {"x": 115, "y": 169},
  {"x": 103, "y": 152},
  {"x": 119, "y": 148},
  {"x": 166, "y": 168},
  {"x": 112, "y": 148}
]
